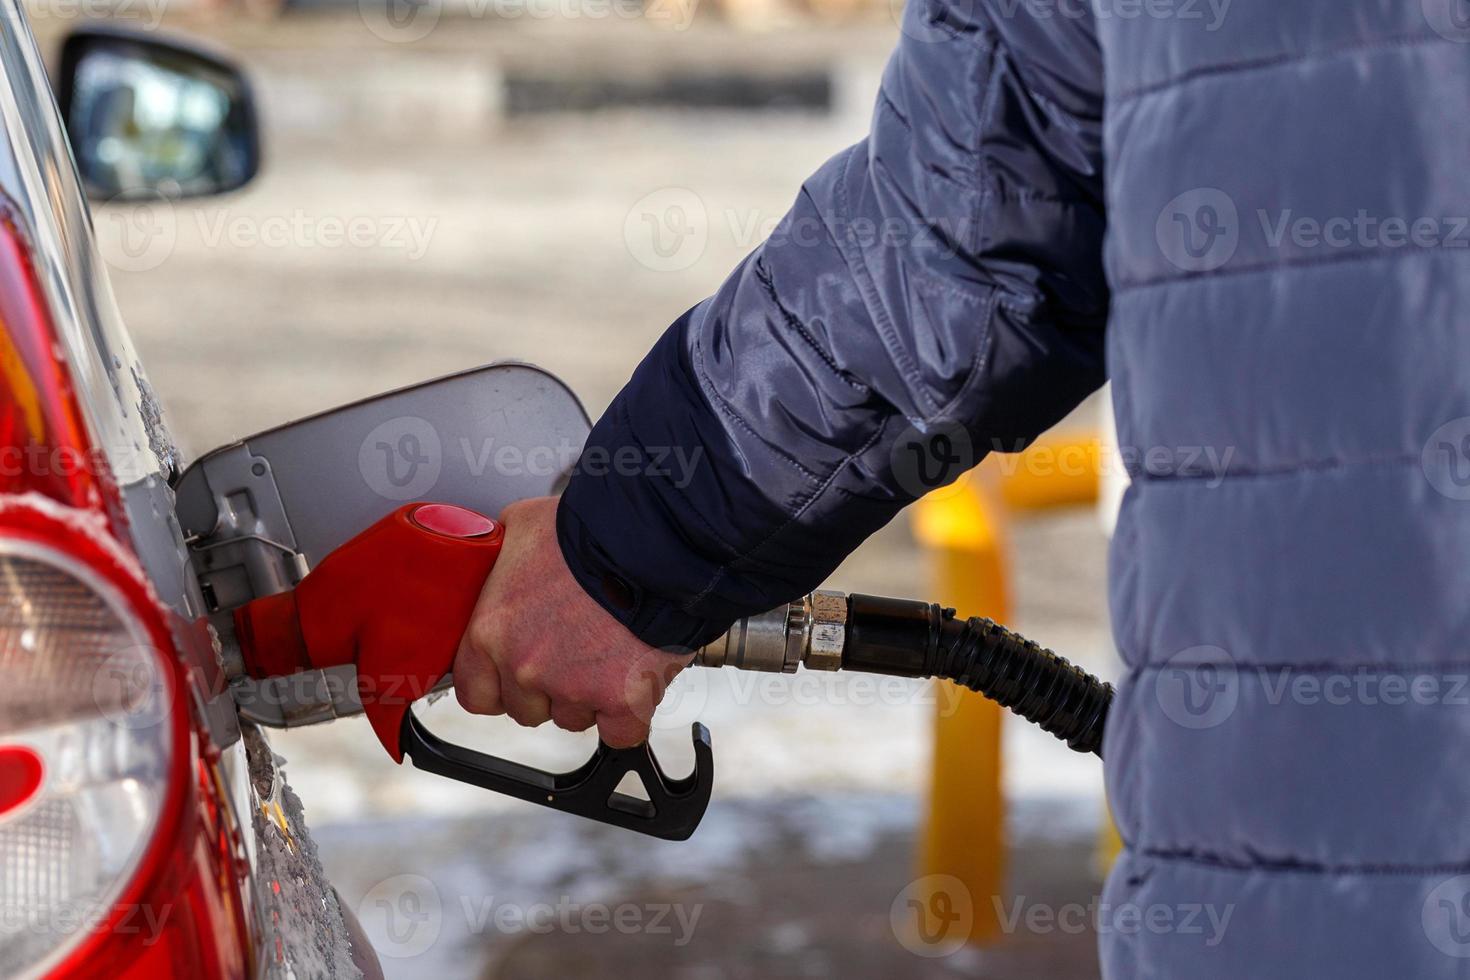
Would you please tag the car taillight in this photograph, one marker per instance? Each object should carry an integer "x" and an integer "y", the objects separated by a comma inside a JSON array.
[
  {"x": 87, "y": 747},
  {"x": 44, "y": 445},
  {"x": 117, "y": 860}
]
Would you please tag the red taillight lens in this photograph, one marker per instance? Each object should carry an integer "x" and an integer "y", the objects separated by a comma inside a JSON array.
[
  {"x": 87, "y": 698},
  {"x": 21, "y": 772},
  {"x": 43, "y": 442}
]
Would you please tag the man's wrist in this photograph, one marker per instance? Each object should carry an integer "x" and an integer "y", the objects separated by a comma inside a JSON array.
[{"x": 656, "y": 620}]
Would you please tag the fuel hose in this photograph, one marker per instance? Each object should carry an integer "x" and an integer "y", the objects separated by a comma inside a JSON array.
[{"x": 908, "y": 638}]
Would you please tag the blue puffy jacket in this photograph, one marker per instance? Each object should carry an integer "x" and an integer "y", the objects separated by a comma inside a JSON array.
[{"x": 1253, "y": 211}]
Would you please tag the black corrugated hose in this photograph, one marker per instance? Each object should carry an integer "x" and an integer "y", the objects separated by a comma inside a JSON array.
[{"x": 920, "y": 639}]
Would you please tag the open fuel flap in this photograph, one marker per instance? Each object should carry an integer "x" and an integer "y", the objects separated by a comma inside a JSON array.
[{"x": 259, "y": 513}]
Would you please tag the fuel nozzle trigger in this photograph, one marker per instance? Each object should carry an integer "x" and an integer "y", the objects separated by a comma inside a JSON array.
[
  {"x": 672, "y": 810},
  {"x": 394, "y": 602}
]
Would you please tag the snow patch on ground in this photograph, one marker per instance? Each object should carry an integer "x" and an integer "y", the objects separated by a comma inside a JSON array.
[
  {"x": 454, "y": 874},
  {"x": 759, "y": 750},
  {"x": 428, "y": 890}
]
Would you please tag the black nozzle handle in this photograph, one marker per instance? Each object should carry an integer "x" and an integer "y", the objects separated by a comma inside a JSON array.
[{"x": 672, "y": 811}]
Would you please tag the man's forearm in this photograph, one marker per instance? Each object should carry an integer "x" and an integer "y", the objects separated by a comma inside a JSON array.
[{"x": 936, "y": 288}]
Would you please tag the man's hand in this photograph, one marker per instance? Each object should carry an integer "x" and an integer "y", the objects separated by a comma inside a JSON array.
[{"x": 538, "y": 647}]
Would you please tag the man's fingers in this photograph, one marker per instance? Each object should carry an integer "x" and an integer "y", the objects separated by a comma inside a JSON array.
[
  {"x": 576, "y": 674},
  {"x": 529, "y": 708},
  {"x": 645, "y": 683},
  {"x": 573, "y": 718},
  {"x": 622, "y": 730},
  {"x": 477, "y": 682}
]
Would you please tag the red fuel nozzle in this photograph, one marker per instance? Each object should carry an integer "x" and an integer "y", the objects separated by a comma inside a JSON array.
[{"x": 394, "y": 600}]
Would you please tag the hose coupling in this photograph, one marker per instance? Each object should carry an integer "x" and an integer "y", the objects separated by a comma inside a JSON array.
[{"x": 809, "y": 632}]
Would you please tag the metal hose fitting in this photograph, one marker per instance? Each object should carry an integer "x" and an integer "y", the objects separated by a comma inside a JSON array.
[
  {"x": 830, "y": 630},
  {"x": 810, "y": 631}
]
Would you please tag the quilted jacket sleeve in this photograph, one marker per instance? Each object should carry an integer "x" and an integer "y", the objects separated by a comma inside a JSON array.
[{"x": 936, "y": 292}]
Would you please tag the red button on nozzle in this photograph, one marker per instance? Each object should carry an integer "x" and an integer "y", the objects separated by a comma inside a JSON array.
[{"x": 452, "y": 521}]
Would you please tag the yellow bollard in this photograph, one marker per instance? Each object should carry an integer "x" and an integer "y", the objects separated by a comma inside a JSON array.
[
  {"x": 1109, "y": 845},
  {"x": 1061, "y": 470},
  {"x": 962, "y": 528},
  {"x": 964, "y": 832}
]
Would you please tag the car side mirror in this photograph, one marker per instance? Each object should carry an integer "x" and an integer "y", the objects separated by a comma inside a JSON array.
[{"x": 149, "y": 116}]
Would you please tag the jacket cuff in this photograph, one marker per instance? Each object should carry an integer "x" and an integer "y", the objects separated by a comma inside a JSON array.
[{"x": 657, "y": 621}]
